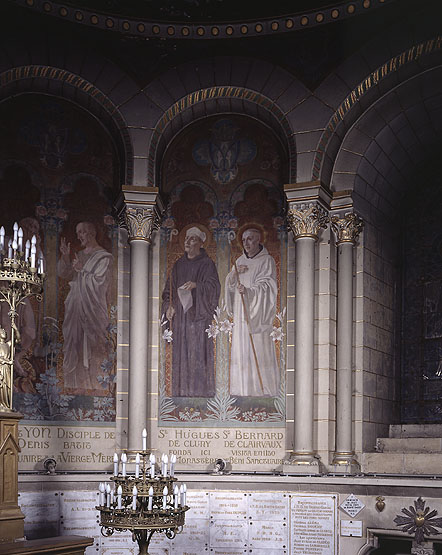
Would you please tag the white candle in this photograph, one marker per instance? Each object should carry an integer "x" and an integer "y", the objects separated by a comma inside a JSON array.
[
  {"x": 108, "y": 496},
  {"x": 176, "y": 492},
  {"x": 172, "y": 464},
  {"x": 137, "y": 465},
  {"x": 183, "y": 491},
  {"x": 119, "y": 495},
  {"x": 27, "y": 249},
  {"x": 144, "y": 439},
  {"x": 15, "y": 228},
  {"x": 149, "y": 506},
  {"x": 9, "y": 248},
  {"x": 101, "y": 489},
  {"x": 165, "y": 492},
  {"x": 165, "y": 462},
  {"x": 2, "y": 238},
  {"x": 40, "y": 265},
  {"x": 185, "y": 495},
  {"x": 123, "y": 464},
  {"x": 152, "y": 465},
  {"x": 112, "y": 496},
  {"x": 34, "y": 240},
  {"x": 20, "y": 239},
  {"x": 33, "y": 251},
  {"x": 14, "y": 246},
  {"x": 134, "y": 498},
  {"x": 115, "y": 464}
]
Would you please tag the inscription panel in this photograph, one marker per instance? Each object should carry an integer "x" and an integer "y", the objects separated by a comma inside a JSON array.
[
  {"x": 268, "y": 535},
  {"x": 42, "y": 514},
  {"x": 228, "y": 505},
  {"x": 198, "y": 501},
  {"x": 195, "y": 534},
  {"x": 313, "y": 524},
  {"x": 228, "y": 533},
  {"x": 79, "y": 505},
  {"x": 268, "y": 506}
]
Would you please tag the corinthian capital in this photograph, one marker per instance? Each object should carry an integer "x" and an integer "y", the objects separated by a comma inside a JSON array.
[
  {"x": 347, "y": 228},
  {"x": 140, "y": 222},
  {"x": 306, "y": 220}
]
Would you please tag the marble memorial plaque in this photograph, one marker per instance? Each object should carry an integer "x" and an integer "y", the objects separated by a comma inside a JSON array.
[
  {"x": 119, "y": 551},
  {"x": 160, "y": 541},
  {"x": 228, "y": 533},
  {"x": 268, "y": 535},
  {"x": 78, "y": 505},
  {"x": 228, "y": 505},
  {"x": 195, "y": 534},
  {"x": 352, "y": 505},
  {"x": 268, "y": 506},
  {"x": 118, "y": 539},
  {"x": 40, "y": 507},
  {"x": 313, "y": 524},
  {"x": 351, "y": 528},
  {"x": 72, "y": 447},
  {"x": 81, "y": 527},
  {"x": 161, "y": 550},
  {"x": 222, "y": 551},
  {"x": 198, "y": 501},
  {"x": 92, "y": 550}
]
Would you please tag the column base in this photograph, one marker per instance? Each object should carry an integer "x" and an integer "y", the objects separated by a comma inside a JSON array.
[
  {"x": 301, "y": 463},
  {"x": 345, "y": 463}
]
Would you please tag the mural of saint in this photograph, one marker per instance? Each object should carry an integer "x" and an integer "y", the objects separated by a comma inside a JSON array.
[
  {"x": 190, "y": 297},
  {"x": 251, "y": 292},
  {"x": 86, "y": 317}
]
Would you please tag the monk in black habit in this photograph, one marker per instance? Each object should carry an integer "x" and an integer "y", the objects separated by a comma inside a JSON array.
[{"x": 195, "y": 291}]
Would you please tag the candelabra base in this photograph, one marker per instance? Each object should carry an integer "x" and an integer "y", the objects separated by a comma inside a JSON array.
[{"x": 143, "y": 537}]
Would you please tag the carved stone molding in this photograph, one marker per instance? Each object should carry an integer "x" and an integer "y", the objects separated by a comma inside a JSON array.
[
  {"x": 140, "y": 222},
  {"x": 347, "y": 227},
  {"x": 306, "y": 220}
]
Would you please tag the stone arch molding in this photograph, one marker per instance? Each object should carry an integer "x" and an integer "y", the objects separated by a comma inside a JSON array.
[
  {"x": 69, "y": 86},
  {"x": 413, "y": 62},
  {"x": 226, "y": 85}
]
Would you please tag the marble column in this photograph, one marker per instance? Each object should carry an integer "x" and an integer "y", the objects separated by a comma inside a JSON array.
[
  {"x": 140, "y": 215},
  {"x": 305, "y": 220},
  {"x": 347, "y": 229}
]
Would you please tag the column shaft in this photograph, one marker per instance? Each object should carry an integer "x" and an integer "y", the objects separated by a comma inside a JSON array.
[
  {"x": 344, "y": 351},
  {"x": 138, "y": 348},
  {"x": 304, "y": 347}
]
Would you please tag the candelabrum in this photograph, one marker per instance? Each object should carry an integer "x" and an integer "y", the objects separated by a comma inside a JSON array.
[
  {"x": 144, "y": 502},
  {"x": 21, "y": 276}
]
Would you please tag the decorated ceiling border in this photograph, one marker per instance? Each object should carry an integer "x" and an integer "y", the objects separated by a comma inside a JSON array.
[
  {"x": 33, "y": 72},
  {"x": 392, "y": 65},
  {"x": 144, "y": 28},
  {"x": 213, "y": 93}
]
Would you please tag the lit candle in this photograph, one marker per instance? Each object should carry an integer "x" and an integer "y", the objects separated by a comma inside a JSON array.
[
  {"x": 172, "y": 464},
  {"x": 152, "y": 465},
  {"x": 108, "y": 496},
  {"x": 123, "y": 464},
  {"x": 134, "y": 498},
  {"x": 165, "y": 492},
  {"x": 14, "y": 246},
  {"x": 164, "y": 463},
  {"x": 27, "y": 249},
  {"x": 20, "y": 239},
  {"x": 144, "y": 439},
  {"x": 176, "y": 492},
  {"x": 2, "y": 238},
  {"x": 15, "y": 228},
  {"x": 33, "y": 251},
  {"x": 115, "y": 464},
  {"x": 137, "y": 465},
  {"x": 119, "y": 496},
  {"x": 101, "y": 489},
  {"x": 149, "y": 506},
  {"x": 9, "y": 248}
]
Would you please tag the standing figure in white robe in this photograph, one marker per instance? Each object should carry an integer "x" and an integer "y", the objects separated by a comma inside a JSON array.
[
  {"x": 251, "y": 292},
  {"x": 86, "y": 318}
]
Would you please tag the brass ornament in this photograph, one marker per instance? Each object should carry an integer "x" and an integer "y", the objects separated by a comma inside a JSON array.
[
  {"x": 306, "y": 220},
  {"x": 347, "y": 228},
  {"x": 419, "y": 520},
  {"x": 380, "y": 503}
]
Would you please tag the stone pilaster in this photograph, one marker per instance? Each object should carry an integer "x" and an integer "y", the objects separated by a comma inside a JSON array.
[
  {"x": 307, "y": 214},
  {"x": 346, "y": 228},
  {"x": 140, "y": 210}
]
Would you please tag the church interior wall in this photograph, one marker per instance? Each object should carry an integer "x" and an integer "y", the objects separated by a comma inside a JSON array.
[{"x": 371, "y": 153}]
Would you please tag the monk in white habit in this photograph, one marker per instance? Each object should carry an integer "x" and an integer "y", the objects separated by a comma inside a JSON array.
[
  {"x": 251, "y": 292},
  {"x": 86, "y": 317}
]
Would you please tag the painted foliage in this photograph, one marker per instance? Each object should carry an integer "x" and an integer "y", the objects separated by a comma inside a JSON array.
[
  {"x": 57, "y": 174},
  {"x": 223, "y": 254}
]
